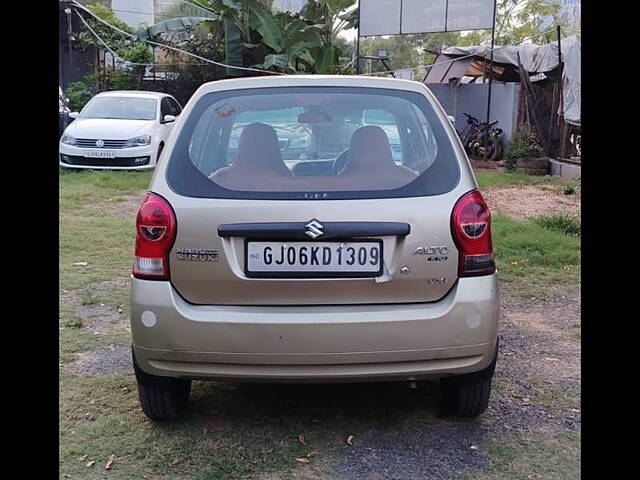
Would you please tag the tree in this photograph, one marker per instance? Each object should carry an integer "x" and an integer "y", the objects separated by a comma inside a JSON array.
[
  {"x": 257, "y": 36},
  {"x": 405, "y": 51},
  {"x": 517, "y": 20},
  {"x": 104, "y": 78}
]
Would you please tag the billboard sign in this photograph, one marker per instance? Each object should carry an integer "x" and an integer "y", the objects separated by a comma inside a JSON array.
[
  {"x": 395, "y": 17},
  {"x": 379, "y": 17}
]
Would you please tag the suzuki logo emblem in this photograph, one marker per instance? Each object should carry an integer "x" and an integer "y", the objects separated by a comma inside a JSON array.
[{"x": 314, "y": 229}]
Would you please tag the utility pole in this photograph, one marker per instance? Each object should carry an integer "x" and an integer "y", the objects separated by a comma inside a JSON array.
[
  {"x": 561, "y": 86},
  {"x": 493, "y": 38},
  {"x": 358, "y": 43}
]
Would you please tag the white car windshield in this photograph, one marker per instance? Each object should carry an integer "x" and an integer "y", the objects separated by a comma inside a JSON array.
[{"x": 122, "y": 108}]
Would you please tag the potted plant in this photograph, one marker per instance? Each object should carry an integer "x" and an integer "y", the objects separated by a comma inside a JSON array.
[{"x": 524, "y": 154}]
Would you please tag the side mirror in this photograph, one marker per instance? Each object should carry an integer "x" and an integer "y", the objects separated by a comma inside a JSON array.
[
  {"x": 168, "y": 119},
  {"x": 73, "y": 115},
  {"x": 452, "y": 119}
]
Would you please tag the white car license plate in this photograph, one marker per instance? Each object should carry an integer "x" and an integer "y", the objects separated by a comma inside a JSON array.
[
  {"x": 314, "y": 259},
  {"x": 100, "y": 154}
]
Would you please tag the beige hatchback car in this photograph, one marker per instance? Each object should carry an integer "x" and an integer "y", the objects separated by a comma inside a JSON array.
[{"x": 313, "y": 229}]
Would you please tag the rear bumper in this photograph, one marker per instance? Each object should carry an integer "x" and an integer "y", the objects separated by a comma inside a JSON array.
[{"x": 315, "y": 343}]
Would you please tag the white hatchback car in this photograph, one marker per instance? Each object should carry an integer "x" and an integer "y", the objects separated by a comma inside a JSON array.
[{"x": 119, "y": 130}]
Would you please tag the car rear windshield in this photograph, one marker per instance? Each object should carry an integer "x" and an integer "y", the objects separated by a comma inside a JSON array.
[
  {"x": 312, "y": 143},
  {"x": 121, "y": 108}
]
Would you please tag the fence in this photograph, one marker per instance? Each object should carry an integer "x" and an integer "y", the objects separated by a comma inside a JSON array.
[{"x": 540, "y": 108}]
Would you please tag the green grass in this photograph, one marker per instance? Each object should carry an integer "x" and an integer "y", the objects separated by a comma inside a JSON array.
[
  {"x": 531, "y": 259},
  {"x": 567, "y": 224},
  {"x": 72, "y": 322},
  {"x": 227, "y": 432},
  {"x": 109, "y": 422},
  {"x": 532, "y": 456},
  {"x": 493, "y": 178},
  {"x": 104, "y": 242},
  {"x": 81, "y": 187}
]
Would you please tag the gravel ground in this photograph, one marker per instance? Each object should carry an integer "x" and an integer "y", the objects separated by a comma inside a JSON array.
[
  {"x": 401, "y": 433},
  {"x": 102, "y": 361},
  {"x": 437, "y": 447},
  {"x": 523, "y": 201}
]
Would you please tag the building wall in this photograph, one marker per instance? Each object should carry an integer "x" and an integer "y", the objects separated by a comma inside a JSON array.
[{"x": 472, "y": 99}]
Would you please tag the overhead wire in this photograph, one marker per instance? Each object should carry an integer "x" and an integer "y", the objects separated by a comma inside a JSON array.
[{"x": 130, "y": 35}]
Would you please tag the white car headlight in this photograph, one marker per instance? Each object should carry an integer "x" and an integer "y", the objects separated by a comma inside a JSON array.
[
  {"x": 139, "y": 141},
  {"x": 68, "y": 139}
]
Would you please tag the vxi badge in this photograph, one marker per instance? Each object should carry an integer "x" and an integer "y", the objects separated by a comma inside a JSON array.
[{"x": 435, "y": 253}]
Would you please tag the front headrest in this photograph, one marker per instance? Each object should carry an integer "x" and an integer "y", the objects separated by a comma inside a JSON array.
[
  {"x": 369, "y": 149},
  {"x": 258, "y": 149}
]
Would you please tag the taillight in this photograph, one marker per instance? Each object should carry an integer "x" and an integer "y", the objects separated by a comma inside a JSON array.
[
  {"x": 471, "y": 227},
  {"x": 155, "y": 233}
]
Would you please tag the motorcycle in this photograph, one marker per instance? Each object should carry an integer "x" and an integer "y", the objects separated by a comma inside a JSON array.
[{"x": 481, "y": 140}]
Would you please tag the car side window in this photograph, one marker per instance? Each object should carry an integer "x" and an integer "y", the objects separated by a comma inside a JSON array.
[
  {"x": 174, "y": 107},
  {"x": 165, "y": 108}
]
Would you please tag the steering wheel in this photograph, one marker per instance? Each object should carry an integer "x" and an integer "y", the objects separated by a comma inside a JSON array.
[{"x": 340, "y": 162}]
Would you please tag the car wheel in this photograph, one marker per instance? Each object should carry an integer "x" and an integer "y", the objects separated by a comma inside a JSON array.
[
  {"x": 161, "y": 398},
  {"x": 468, "y": 395}
]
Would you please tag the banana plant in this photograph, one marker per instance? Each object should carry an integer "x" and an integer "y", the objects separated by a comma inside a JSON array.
[
  {"x": 255, "y": 36},
  {"x": 310, "y": 39}
]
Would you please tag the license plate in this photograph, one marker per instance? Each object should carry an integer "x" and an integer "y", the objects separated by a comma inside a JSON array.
[
  {"x": 100, "y": 154},
  {"x": 314, "y": 259}
]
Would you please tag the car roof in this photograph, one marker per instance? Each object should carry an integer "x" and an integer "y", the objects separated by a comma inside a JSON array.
[
  {"x": 311, "y": 80},
  {"x": 132, "y": 93}
]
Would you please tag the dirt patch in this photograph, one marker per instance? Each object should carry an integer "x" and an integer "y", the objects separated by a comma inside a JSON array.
[
  {"x": 109, "y": 285},
  {"x": 102, "y": 319},
  {"x": 124, "y": 206},
  {"x": 69, "y": 298},
  {"x": 552, "y": 327},
  {"x": 96, "y": 317},
  {"x": 526, "y": 201},
  {"x": 102, "y": 361},
  {"x": 536, "y": 389},
  {"x": 436, "y": 450}
]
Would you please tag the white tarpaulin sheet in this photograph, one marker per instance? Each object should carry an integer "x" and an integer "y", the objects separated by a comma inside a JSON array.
[{"x": 540, "y": 59}]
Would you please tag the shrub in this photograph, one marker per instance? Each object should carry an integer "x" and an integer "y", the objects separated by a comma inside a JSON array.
[
  {"x": 567, "y": 224},
  {"x": 73, "y": 322},
  {"x": 523, "y": 144},
  {"x": 78, "y": 93}
]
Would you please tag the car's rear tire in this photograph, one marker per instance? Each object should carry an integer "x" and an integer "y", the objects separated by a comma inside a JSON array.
[
  {"x": 161, "y": 398},
  {"x": 468, "y": 395}
]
